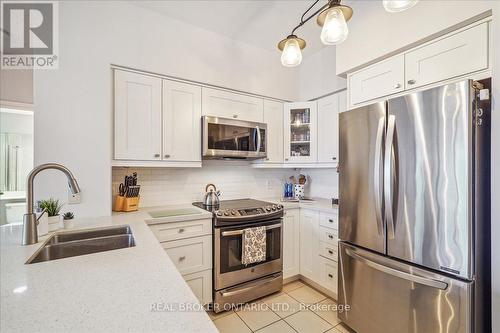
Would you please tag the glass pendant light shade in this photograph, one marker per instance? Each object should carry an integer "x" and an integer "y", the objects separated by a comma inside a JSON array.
[
  {"x": 291, "y": 55},
  {"x": 394, "y": 6},
  {"x": 335, "y": 29}
]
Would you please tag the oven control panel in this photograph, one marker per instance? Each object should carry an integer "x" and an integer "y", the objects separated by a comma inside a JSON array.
[{"x": 248, "y": 212}]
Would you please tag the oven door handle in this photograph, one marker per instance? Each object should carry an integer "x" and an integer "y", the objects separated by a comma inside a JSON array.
[{"x": 240, "y": 232}]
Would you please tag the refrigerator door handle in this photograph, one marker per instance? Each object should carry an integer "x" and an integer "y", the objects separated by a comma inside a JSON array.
[
  {"x": 394, "y": 272},
  {"x": 391, "y": 124},
  {"x": 376, "y": 175}
]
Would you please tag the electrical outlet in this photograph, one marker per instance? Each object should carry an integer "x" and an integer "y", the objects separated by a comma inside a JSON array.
[{"x": 74, "y": 198}]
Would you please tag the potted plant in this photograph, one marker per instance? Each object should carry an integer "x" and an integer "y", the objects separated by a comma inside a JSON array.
[
  {"x": 52, "y": 207},
  {"x": 68, "y": 220}
]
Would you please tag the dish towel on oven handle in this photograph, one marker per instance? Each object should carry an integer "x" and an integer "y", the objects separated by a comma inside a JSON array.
[{"x": 254, "y": 245}]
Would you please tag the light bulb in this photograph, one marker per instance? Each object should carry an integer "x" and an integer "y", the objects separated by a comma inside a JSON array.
[
  {"x": 291, "y": 55},
  {"x": 394, "y": 6},
  {"x": 335, "y": 29}
]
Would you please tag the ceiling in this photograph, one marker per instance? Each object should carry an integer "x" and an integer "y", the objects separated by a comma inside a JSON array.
[{"x": 261, "y": 23}]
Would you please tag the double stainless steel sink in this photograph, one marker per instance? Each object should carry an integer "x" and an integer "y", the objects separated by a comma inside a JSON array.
[{"x": 77, "y": 243}]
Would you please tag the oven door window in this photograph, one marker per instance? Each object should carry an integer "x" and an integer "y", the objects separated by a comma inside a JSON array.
[{"x": 231, "y": 249}]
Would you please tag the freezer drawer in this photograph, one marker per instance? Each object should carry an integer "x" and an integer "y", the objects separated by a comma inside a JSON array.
[{"x": 387, "y": 296}]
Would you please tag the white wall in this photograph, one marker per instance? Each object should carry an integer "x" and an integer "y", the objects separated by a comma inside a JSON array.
[
  {"x": 373, "y": 32},
  {"x": 73, "y": 122},
  {"x": 233, "y": 179},
  {"x": 318, "y": 76}
]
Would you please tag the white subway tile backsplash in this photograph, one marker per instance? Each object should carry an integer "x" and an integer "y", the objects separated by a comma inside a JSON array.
[{"x": 235, "y": 179}]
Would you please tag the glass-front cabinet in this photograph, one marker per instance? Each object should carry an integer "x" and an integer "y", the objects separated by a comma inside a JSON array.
[{"x": 300, "y": 127}]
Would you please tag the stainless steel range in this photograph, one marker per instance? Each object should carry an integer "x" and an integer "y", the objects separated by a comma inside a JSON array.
[{"x": 233, "y": 282}]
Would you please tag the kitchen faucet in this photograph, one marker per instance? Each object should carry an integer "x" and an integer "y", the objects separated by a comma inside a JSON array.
[{"x": 30, "y": 222}]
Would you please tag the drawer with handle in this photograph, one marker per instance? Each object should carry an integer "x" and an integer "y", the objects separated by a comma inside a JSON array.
[
  {"x": 328, "y": 235},
  {"x": 328, "y": 251},
  {"x": 329, "y": 274},
  {"x": 178, "y": 230},
  {"x": 329, "y": 220},
  {"x": 190, "y": 255}
]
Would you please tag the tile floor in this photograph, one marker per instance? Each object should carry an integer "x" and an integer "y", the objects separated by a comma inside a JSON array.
[{"x": 298, "y": 308}]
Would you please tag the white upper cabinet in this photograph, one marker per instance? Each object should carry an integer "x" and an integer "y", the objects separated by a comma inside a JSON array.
[
  {"x": 459, "y": 54},
  {"x": 273, "y": 117},
  {"x": 381, "y": 79},
  {"x": 301, "y": 134},
  {"x": 181, "y": 122},
  {"x": 226, "y": 104},
  {"x": 328, "y": 129},
  {"x": 137, "y": 116}
]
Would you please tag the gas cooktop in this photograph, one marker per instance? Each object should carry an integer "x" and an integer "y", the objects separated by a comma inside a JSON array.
[{"x": 242, "y": 210}]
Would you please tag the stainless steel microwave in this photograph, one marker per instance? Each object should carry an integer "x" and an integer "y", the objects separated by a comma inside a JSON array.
[{"x": 231, "y": 138}]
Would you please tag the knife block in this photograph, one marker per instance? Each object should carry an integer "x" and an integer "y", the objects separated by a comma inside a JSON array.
[{"x": 124, "y": 204}]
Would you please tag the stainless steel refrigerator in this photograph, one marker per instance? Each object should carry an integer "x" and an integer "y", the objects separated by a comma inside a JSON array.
[{"x": 414, "y": 212}]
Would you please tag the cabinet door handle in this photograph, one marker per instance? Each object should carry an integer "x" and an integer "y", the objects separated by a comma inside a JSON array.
[
  {"x": 182, "y": 258},
  {"x": 157, "y": 155},
  {"x": 334, "y": 158},
  {"x": 181, "y": 230},
  {"x": 167, "y": 156},
  {"x": 330, "y": 251},
  {"x": 412, "y": 81},
  {"x": 330, "y": 236},
  {"x": 330, "y": 220},
  {"x": 397, "y": 86},
  {"x": 235, "y": 116},
  {"x": 330, "y": 276}
]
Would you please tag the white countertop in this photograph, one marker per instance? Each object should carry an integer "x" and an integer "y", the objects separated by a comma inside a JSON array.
[
  {"x": 111, "y": 291},
  {"x": 319, "y": 204}
]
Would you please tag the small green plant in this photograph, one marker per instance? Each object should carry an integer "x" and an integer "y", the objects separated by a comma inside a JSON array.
[
  {"x": 51, "y": 206},
  {"x": 68, "y": 216}
]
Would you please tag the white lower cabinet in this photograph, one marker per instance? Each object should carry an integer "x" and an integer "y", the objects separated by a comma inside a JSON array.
[
  {"x": 201, "y": 285},
  {"x": 309, "y": 224},
  {"x": 189, "y": 246},
  {"x": 190, "y": 255},
  {"x": 291, "y": 243},
  {"x": 318, "y": 247},
  {"x": 165, "y": 232},
  {"x": 328, "y": 274}
]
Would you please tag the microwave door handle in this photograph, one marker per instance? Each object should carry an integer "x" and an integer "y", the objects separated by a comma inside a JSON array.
[
  {"x": 388, "y": 183},
  {"x": 240, "y": 232},
  {"x": 258, "y": 139}
]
